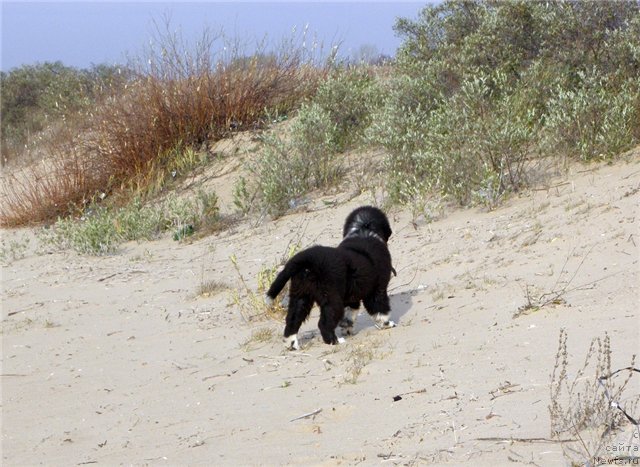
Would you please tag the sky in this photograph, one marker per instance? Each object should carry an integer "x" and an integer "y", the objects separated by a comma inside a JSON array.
[{"x": 83, "y": 33}]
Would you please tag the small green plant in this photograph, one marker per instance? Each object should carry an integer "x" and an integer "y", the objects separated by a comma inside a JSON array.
[
  {"x": 281, "y": 175},
  {"x": 208, "y": 209},
  {"x": 242, "y": 199},
  {"x": 101, "y": 229},
  {"x": 13, "y": 250}
]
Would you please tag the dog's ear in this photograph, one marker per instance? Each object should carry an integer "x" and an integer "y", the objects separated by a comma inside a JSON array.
[{"x": 387, "y": 233}]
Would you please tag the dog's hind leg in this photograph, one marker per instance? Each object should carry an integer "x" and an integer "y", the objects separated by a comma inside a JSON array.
[
  {"x": 350, "y": 316},
  {"x": 331, "y": 313},
  {"x": 297, "y": 313}
]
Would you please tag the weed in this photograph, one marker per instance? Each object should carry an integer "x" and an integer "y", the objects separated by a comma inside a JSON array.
[
  {"x": 555, "y": 296},
  {"x": 210, "y": 288},
  {"x": 258, "y": 338},
  {"x": 252, "y": 304},
  {"x": 359, "y": 356},
  {"x": 13, "y": 250},
  {"x": 588, "y": 408}
]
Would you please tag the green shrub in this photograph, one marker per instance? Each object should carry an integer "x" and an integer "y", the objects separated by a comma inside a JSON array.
[
  {"x": 482, "y": 88},
  {"x": 349, "y": 98},
  {"x": 281, "y": 175},
  {"x": 33, "y": 97},
  {"x": 101, "y": 230},
  {"x": 291, "y": 165},
  {"x": 594, "y": 120},
  {"x": 472, "y": 148}
]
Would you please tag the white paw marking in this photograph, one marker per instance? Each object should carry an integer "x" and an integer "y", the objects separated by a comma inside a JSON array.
[
  {"x": 291, "y": 342},
  {"x": 382, "y": 321},
  {"x": 341, "y": 340},
  {"x": 352, "y": 313},
  {"x": 268, "y": 300}
]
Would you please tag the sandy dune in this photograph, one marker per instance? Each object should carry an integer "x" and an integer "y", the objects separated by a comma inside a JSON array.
[{"x": 114, "y": 360}]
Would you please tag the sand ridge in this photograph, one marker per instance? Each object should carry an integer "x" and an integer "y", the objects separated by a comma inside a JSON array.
[{"x": 114, "y": 360}]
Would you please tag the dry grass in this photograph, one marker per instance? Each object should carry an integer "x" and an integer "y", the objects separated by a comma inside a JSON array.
[
  {"x": 252, "y": 303},
  {"x": 258, "y": 338},
  {"x": 586, "y": 407},
  {"x": 211, "y": 288},
  {"x": 359, "y": 355}
]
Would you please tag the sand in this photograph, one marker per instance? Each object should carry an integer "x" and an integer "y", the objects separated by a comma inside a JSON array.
[{"x": 117, "y": 360}]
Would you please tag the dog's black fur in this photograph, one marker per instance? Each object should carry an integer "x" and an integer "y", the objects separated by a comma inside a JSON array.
[{"x": 359, "y": 269}]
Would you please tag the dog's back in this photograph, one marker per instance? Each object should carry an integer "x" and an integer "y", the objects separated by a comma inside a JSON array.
[
  {"x": 315, "y": 264},
  {"x": 369, "y": 264}
]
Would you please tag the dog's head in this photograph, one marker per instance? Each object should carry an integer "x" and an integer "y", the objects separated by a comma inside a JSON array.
[{"x": 367, "y": 221}]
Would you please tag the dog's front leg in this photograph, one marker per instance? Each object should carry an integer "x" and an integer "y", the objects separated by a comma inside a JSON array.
[
  {"x": 378, "y": 308},
  {"x": 382, "y": 321}
]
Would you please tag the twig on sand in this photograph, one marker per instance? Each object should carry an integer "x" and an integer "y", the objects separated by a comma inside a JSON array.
[
  {"x": 406, "y": 283},
  {"x": 525, "y": 440},
  {"x": 307, "y": 415},
  {"x": 417, "y": 391}
]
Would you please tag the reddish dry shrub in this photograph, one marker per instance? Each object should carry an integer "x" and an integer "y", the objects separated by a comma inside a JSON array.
[
  {"x": 53, "y": 186},
  {"x": 155, "y": 115},
  {"x": 177, "y": 99}
]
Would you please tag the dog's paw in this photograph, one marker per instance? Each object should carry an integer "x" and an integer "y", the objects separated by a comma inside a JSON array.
[
  {"x": 268, "y": 301},
  {"x": 347, "y": 326},
  {"x": 341, "y": 340},
  {"x": 346, "y": 323},
  {"x": 291, "y": 342},
  {"x": 382, "y": 321}
]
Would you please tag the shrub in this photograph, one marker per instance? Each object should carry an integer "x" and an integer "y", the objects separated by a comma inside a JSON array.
[
  {"x": 35, "y": 97},
  {"x": 178, "y": 98},
  {"x": 281, "y": 175},
  {"x": 183, "y": 96},
  {"x": 291, "y": 165},
  {"x": 101, "y": 229},
  {"x": 349, "y": 98},
  {"x": 597, "y": 119},
  {"x": 472, "y": 147},
  {"x": 482, "y": 88},
  {"x": 307, "y": 158}
]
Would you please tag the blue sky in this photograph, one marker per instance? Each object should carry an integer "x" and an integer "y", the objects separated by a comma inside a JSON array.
[{"x": 84, "y": 33}]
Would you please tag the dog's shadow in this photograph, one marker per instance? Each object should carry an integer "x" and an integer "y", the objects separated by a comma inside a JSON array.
[{"x": 400, "y": 305}]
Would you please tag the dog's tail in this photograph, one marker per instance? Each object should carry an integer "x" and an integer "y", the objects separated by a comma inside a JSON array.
[{"x": 297, "y": 264}]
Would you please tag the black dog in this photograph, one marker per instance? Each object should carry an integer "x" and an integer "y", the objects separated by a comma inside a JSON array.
[{"x": 359, "y": 269}]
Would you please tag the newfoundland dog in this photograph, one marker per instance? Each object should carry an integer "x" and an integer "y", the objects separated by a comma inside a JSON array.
[{"x": 338, "y": 279}]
